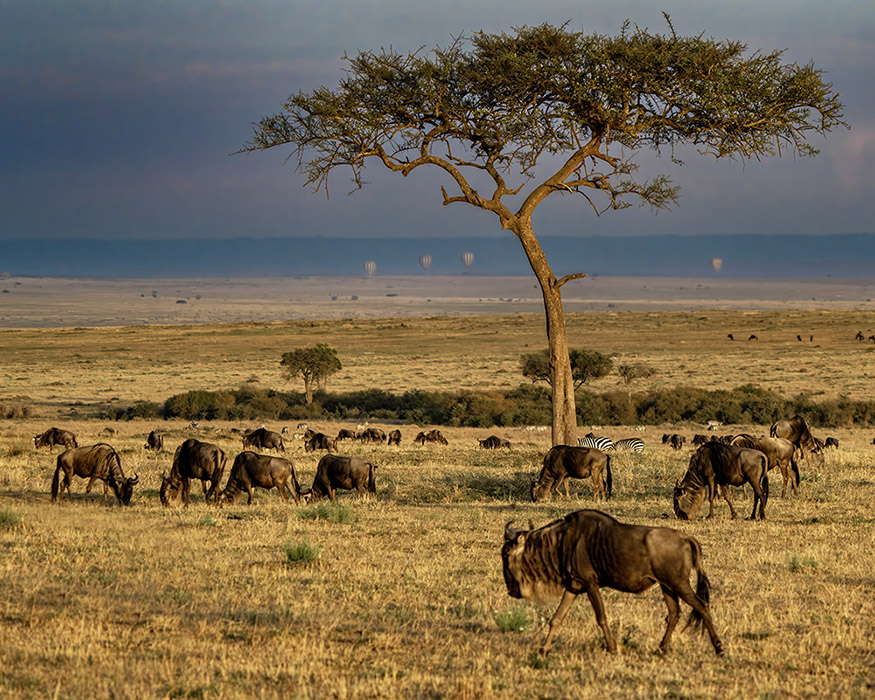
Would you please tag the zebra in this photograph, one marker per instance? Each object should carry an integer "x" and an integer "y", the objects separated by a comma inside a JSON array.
[
  {"x": 634, "y": 444},
  {"x": 600, "y": 443}
]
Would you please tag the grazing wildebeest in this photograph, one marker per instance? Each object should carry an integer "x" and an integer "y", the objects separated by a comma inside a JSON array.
[
  {"x": 493, "y": 442},
  {"x": 715, "y": 464},
  {"x": 334, "y": 472},
  {"x": 588, "y": 550},
  {"x": 55, "y": 436},
  {"x": 319, "y": 441},
  {"x": 194, "y": 459},
  {"x": 430, "y": 436},
  {"x": 677, "y": 441},
  {"x": 729, "y": 335},
  {"x": 564, "y": 461},
  {"x": 395, "y": 437},
  {"x": 753, "y": 337},
  {"x": 832, "y": 442},
  {"x": 779, "y": 453},
  {"x": 859, "y": 336},
  {"x": 265, "y": 439},
  {"x": 154, "y": 441},
  {"x": 346, "y": 434},
  {"x": 252, "y": 469},
  {"x": 699, "y": 439},
  {"x": 372, "y": 435},
  {"x": 98, "y": 461},
  {"x": 796, "y": 430}
]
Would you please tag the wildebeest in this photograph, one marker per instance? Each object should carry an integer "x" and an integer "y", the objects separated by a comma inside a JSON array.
[
  {"x": 319, "y": 441},
  {"x": 699, "y": 439},
  {"x": 194, "y": 459},
  {"x": 252, "y": 469},
  {"x": 55, "y": 436},
  {"x": 779, "y": 453},
  {"x": 753, "y": 337},
  {"x": 430, "y": 436},
  {"x": 729, "y": 335},
  {"x": 799, "y": 338},
  {"x": 832, "y": 442},
  {"x": 674, "y": 439},
  {"x": 334, "y": 472},
  {"x": 715, "y": 464},
  {"x": 346, "y": 434},
  {"x": 796, "y": 430},
  {"x": 493, "y": 442},
  {"x": 98, "y": 461},
  {"x": 859, "y": 336},
  {"x": 154, "y": 441},
  {"x": 372, "y": 435},
  {"x": 564, "y": 461},
  {"x": 264, "y": 439},
  {"x": 395, "y": 437},
  {"x": 588, "y": 550}
]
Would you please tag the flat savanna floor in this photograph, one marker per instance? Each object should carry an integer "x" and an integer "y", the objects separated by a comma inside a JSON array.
[{"x": 406, "y": 596}]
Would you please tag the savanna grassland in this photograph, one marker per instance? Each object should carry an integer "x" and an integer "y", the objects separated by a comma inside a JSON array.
[{"x": 403, "y": 595}]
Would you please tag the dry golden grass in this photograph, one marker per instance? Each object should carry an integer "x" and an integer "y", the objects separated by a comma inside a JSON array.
[{"x": 145, "y": 602}]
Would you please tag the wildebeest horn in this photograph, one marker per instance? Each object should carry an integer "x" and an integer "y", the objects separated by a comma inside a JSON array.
[
  {"x": 136, "y": 479},
  {"x": 510, "y": 533}
]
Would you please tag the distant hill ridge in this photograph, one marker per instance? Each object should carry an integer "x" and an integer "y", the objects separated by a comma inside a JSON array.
[{"x": 743, "y": 256}]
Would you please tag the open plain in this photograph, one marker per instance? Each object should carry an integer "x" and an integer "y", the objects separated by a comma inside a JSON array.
[{"x": 403, "y": 595}]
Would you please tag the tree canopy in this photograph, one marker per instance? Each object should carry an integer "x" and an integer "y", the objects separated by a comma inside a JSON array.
[
  {"x": 314, "y": 365},
  {"x": 585, "y": 365},
  {"x": 514, "y": 118}
]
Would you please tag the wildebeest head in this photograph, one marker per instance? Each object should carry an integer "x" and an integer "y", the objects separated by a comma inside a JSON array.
[
  {"x": 125, "y": 489},
  {"x": 511, "y": 552},
  {"x": 687, "y": 499},
  {"x": 168, "y": 491},
  {"x": 540, "y": 490}
]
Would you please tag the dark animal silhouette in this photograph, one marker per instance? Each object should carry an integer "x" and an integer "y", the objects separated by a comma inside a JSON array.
[
  {"x": 810, "y": 338},
  {"x": 799, "y": 338},
  {"x": 346, "y": 434},
  {"x": 493, "y": 442},
  {"x": 779, "y": 453},
  {"x": 753, "y": 337},
  {"x": 94, "y": 462},
  {"x": 588, "y": 550},
  {"x": 395, "y": 437},
  {"x": 430, "y": 436},
  {"x": 319, "y": 441},
  {"x": 194, "y": 459},
  {"x": 251, "y": 469},
  {"x": 565, "y": 461},
  {"x": 154, "y": 441},
  {"x": 334, "y": 472},
  {"x": 832, "y": 442},
  {"x": 699, "y": 439},
  {"x": 372, "y": 435},
  {"x": 715, "y": 464},
  {"x": 55, "y": 436},
  {"x": 859, "y": 336},
  {"x": 264, "y": 439},
  {"x": 677, "y": 441},
  {"x": 729, "y": 335}
]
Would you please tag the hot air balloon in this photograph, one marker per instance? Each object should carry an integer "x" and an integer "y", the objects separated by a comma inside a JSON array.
[
  {"x": 716, "y": 263},
  {"x": 370, "y": 268},
  {"x": 425, "y": 261},
  {"x": 467, "y": 259}
]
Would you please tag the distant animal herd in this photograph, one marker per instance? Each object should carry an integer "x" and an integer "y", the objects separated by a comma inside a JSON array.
[{"x": 580, "y": 553}]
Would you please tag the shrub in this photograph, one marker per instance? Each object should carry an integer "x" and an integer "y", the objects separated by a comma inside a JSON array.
[
  {"x": 301, "y": 552},
  {"x": 515, "y": 618},
  {"x": 326, "y": 511},
  {"x": 9, "y": 518}
]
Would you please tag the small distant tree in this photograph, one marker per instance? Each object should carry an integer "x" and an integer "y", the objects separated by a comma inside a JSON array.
[
  {"x": 313, "y": 365},
  {"x": 630, "y": 371},
  {"x": 585, "y": 365}
]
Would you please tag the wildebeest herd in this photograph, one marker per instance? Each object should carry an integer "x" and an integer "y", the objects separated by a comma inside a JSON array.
[{"x": 582, "y": 552}]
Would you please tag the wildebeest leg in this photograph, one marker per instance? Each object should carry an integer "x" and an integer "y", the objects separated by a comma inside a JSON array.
[
  {"x": 281, "y": 487},
  {"x": 595, "y": 599},
  {"x": 204, "y": 488},
  {"x": 761, "y": 493},
  {"x": 89, "y": 485},
  {"x": 725, "y": 491},
  {"x": 564, "y": 606},
  {"x": 596, "y": 487},
  {"x": 249, "y": 490},
  {"x": 700, "y": 606},
  {"x": 671, "y": 620},
  {"x": 186, "y": 491}
]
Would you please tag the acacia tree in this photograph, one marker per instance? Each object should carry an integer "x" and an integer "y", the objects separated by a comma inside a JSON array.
[
  {"x": 585, "y": 365},
  {"x": 630, "y": 371},
  {"x": 313, "y": 365},
  {"x": 513, "y": 119}
]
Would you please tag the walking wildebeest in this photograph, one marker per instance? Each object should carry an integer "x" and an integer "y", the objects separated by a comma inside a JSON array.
[
  {"x": 346, "y": 434},
  {"x": 588, "y": 550},
  {"x": 55, "y": 436},
  {"x": 319, "y": 441},
  {"x": 564, "y": 461},
  {"x": 779, "y": 453},
  {"x": 430, "y": 436},
  {"x": 372, "y": 435},
  {"x": 98, "y": 461},
  {"x": 715, "y": 464},
  {"x": 154, "y": 441},
  {"x": 265, "y": 439},
  {"x": 394, "y": 437},
  {"x": 334, "y": 472},
  {"x": 859, "y": 336},
  {"x": 832, "y": 442},
  {"x": 252, "y": 469},
  {"x": 194, "y": 459},
  {"x": 796, "y": 430},
  {"x": 493, "y": 442}
]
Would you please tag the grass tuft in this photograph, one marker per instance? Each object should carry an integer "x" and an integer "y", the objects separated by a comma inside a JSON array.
[
  {"x": 326, "y": 511},
  {"x": 515, "y": 618},
  {"x": 798, "y": 563},
  {"x": 207, "y": 520},
  {"x": 9, "y": 518},
  {"x": 301, "y": 552}
]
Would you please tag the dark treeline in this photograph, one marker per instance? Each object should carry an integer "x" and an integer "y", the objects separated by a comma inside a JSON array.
[{"x": 526, "y": 405}]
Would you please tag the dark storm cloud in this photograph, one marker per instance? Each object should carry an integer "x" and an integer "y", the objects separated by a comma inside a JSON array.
[{"x": 119, "y": 117}]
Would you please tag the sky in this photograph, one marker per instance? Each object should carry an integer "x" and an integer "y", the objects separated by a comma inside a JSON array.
[{"x": 120, "y": 119}]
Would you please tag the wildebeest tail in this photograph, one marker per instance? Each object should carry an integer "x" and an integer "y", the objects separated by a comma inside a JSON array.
[
  {"x": 372, "y": 483},
  {"x": 795, "y": 467},
  {"x": 703, "y": 586},
  {"x": 609, "y": 479},
  {"x": 56, "y": 480}
]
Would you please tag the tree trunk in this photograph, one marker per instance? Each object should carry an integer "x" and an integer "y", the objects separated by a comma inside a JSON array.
[
  {"x": 308, "y": 389},
  {"x": 564, "y": 411}
]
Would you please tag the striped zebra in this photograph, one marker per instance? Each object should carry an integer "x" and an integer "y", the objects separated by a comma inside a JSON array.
[
  {"x": 634, "y": 444},
  {"x": 600, "y": 443}
]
